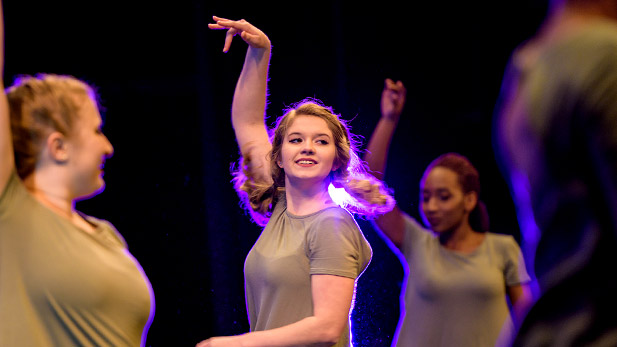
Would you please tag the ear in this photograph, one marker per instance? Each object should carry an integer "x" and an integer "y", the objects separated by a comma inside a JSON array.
[
  {"x": 57, "y": 147},
  {"x": 470, "y": 200},
  {"x": 335, "y": 165}
]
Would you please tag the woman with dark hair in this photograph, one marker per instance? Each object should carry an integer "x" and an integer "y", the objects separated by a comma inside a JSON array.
[
  {"x": 66, "y": 279},
  {"x": 300, "y": 275},
  {"x": 460, "y": 275}
]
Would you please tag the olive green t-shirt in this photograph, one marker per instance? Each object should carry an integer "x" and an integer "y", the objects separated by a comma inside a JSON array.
[
  {"x": 62, "y": 286},
  {"x": 290, "y": 249}
]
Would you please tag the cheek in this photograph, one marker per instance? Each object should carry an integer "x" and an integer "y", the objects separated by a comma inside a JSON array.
[
  {"x": 334, "y": 163},
  {"x": 455, "y": 210},
  {"x": 283, "y": 155}
]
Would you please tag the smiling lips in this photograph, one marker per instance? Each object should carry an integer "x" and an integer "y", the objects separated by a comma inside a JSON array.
[{"x": 306, "y": 162}]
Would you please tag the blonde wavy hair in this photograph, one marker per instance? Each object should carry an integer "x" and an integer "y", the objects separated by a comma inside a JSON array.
[{"x": 365, "y": 195}]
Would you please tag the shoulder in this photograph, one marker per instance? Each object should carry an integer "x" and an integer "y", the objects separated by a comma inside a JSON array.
[
  {"x": 333, "y": 226},
  {"x": 413, "y": 228},
  {"x": 15, "y": 198},
  {"x": 107, "y": 230},
  {"x": 591, "y": 51},
  {"x": 603, "y": 32},
  {"x": 411, "y": 223},
  {"x": 336, "y": 218},
  {"x": 501, "y": 239},
  {"x": 13, "y": 183},
  {"x": 504, "y": 243},
  {"x": 335, "y": 230}
]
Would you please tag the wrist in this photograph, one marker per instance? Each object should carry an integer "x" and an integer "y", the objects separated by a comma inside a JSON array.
[{"x": 391, "y": 118}]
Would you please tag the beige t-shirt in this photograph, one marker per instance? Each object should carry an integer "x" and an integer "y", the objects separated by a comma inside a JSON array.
[
  {"x": 290, "y": 249},
  {"x": 62, "y": 286}
]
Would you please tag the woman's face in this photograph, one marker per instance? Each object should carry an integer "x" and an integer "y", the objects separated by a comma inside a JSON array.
[
  {"x": 308, "y": 150},
  {"x": 89, "y": 148},
  {"x": 444, "y": 205}
]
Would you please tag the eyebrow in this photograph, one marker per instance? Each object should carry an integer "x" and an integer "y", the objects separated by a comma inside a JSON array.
[
  {"x": 438, "y": 190},
  {"x": 301, "y": 134}
]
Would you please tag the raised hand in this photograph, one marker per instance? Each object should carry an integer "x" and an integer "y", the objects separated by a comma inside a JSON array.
[
  {"x": 393, "y": 99},
  {"x": 249, "y": 33}
]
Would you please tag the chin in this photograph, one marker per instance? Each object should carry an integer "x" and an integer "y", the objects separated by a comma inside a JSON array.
[
  {"x": 92, "y": 192},
  {"x": 437, "y": 230}
]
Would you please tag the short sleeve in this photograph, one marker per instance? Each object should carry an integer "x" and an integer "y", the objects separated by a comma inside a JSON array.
[
  {"x": 108, "y": 232},
  {"x": 515, "y": 272},
  {"x": 336, "y": 246},
  {"x": 13, "y": 191}
]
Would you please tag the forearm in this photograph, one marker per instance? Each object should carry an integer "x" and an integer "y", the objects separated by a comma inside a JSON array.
[
  {"x": 521, "y": 299},
  {"x": 379, "y": 145},
  {"x": 311, "y": 331},
  {"x": 332, "y": 296},
  {"x": 249, "y": 100}
]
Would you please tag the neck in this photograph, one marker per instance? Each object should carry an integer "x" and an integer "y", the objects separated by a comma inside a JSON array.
[
  {"x": 307, "y": 198},
  {"x": 462, "y": 238},
  {"x": 50, "y": 194}
]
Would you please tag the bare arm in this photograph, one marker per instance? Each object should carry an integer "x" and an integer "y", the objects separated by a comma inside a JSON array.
[
  {"x": 521, "y": 299},
  {"x": 332, "y": 297},
  {"x": 392, "y": 102},
  {"x": 7, "y": 162},
  {"x": 249, "y": 102}
]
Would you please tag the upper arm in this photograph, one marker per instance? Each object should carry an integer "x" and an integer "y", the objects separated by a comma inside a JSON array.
[
  {"x": 255, "y": 145},
  {"x": 392, "y": 225},
  {"x": 332, "y": 297},
  {"x": 6, "y": 143}
]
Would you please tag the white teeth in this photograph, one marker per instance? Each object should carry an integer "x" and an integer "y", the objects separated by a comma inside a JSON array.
[{"x": 306, "y": 162}]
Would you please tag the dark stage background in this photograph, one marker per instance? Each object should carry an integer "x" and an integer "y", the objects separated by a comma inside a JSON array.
[{"x": 167, "y": 89}]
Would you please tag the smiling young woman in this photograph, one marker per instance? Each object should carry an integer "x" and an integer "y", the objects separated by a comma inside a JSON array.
[{"x": 300, "y": 275}]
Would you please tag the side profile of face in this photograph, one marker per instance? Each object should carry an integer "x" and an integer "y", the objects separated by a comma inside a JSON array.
[
  {"x": 308, "y": 150},
  {"x": 88, "y": 148},
  {"x": 444, "y": 205}
]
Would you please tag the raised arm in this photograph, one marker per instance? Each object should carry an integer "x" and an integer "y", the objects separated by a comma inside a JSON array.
[
  {"x": 249, "y": 102},
  {"x": 392, "y": 102},
  {"x": 7, "y": 162}
]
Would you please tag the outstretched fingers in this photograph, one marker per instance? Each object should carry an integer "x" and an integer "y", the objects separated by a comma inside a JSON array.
[{"x": 249, "y": 33}]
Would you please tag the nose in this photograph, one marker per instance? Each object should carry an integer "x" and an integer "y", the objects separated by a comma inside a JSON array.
[
  {"x": 308, "y": 147},
  {"x": 109, "y": 149},
  {"x": 430, "y": 205}
]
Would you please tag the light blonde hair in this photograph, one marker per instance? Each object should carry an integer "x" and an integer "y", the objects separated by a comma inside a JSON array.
[
  {"x": 38, "y": 106},
  {"x": 367, "y": 196}
]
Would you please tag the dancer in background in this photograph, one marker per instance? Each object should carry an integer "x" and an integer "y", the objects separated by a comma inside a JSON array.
[
  {"x": 556, "y": 139},
  {"x": 460, "y": 275},
  {"x": 300, "y": 275},
  {"x": 66, "y": 279}
]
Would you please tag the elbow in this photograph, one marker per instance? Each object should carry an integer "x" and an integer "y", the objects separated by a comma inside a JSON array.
[{"x": 330, "y": 335}]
